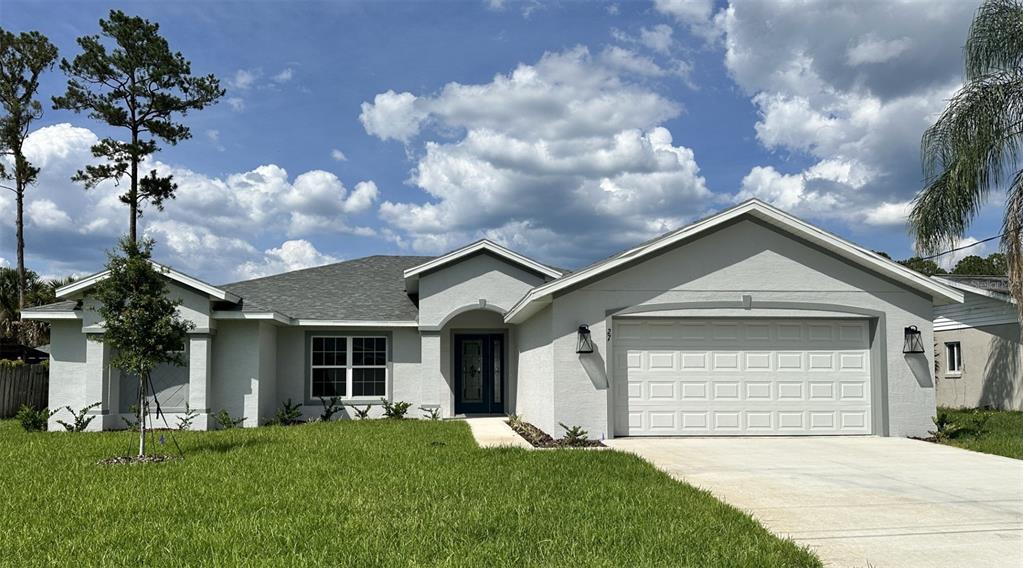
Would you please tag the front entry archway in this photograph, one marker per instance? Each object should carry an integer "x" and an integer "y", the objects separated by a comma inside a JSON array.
[{"x": 479, "y": 373}]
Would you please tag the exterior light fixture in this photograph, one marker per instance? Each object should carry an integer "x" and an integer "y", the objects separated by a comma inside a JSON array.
[
  {"x": 914, "y": 341},
  {"x": 584, "y": 343}
]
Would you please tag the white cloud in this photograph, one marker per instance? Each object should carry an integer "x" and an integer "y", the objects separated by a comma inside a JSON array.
[
  {"x": 213, "y": 135},
  {"x": 950, "y": 260},
  {"x": 244, "y": 79},
  {"x": 237, "y": 104},
  {"x": 871, "y": 49},
  {"x": 658, "y": 38},
  {"x": 291, "y": 255},
  {"x": 208, "y": 230},
  {"x": 45, "y": 213},
  {"x": 284, "y": 76},
  {"x": 391, "y": 115},
  {"x": 338, "y": 155},
  {"x": 697, "y": 15},
  {"x": 572, "y": 130},
  {"x": 628, "y": 61},
  {"x": 814, "y": 72}
]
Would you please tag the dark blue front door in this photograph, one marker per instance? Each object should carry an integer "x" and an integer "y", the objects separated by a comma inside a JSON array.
[{"x": 479, "y": 374}]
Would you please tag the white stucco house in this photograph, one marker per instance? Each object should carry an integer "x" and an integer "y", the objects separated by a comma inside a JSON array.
[{"x": 749, "y": 322}]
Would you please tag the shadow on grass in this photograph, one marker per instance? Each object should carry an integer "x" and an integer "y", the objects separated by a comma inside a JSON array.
[{"x": 221, "y": 446}]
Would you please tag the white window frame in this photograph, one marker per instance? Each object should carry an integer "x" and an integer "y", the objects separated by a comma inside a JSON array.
[
  {"x": 953, "y": 358},
  {"x": 349, "y": 366}
]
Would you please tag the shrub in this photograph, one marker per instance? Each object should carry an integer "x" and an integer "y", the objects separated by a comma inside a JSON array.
[
  {"x": 132, "y": 425},
  {"x": 226, "y": 421},
  {"x": 574, "y": 436},
  {"x": 431, "y": 413},
  {"x": 185, "y": 422},
  {"x": 361, "y": 413},
  {"x": 11, "y": 363},
  {"x": 82, "y": 419},
  {"x": 288, "y": 414},
  {"x": 33, "y": 420},
  {"x": 944, "y": 427},
  {"x": 330, "y": 408},
  {"x": 395, "y": 410}
]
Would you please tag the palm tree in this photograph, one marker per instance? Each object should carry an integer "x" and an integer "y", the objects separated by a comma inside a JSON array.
[
  {"x": 37, "y": 293},
  {"x": 974, "y": 148}
]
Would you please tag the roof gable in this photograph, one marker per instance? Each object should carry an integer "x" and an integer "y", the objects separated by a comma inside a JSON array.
[
  {"x": 213, "y": 292},
  {"x": 756, "y": 209},
  {"x": 413, "y": 273}
]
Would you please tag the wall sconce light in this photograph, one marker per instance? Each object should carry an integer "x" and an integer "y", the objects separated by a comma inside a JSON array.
[
  {"x": 584, "y": 343},
  {"x": 914, "y": 341}
]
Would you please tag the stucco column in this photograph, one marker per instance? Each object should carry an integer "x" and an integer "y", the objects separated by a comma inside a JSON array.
[
  {"x": 200, "y": 367},
  {"x": 435, "y": 388},
  {"x": 100, "y": 385}
]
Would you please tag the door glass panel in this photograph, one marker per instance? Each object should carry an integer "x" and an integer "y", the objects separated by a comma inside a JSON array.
[
  {"x": 498, "y": 354},
  {"x": 472, "y": 370}
]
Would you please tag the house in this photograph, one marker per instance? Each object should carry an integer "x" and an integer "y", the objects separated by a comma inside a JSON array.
[
  {"x": 18, "y": 352},
  {"x": 977, "y": 346},
  {"x": 748, "y": 322}
]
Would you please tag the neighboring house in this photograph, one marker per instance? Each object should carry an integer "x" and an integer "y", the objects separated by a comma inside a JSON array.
[
  {"x": 18, "y": 352},
  {"x": 747, "y": 322},
  {"x": 977, "y": 345}
]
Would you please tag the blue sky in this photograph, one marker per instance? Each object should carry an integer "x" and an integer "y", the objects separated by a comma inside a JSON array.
[{"x": 565, "y": 130}]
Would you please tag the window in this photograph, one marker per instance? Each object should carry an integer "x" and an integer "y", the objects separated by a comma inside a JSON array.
[
  {"x": 349, "y": 367},
  {"x": 953, "y": 358}
]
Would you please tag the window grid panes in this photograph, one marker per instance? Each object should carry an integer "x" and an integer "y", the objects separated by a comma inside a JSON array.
[{"x": 349, "y": 366}]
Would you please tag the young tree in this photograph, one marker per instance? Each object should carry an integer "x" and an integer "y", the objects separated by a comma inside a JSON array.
[
  {"x": 975, "y": 145},
  {"x": 139, "y": 85},
  {"x": 23, "y": 58},
  {"x": 925, "y": 267},
  {"x": 141, "y": 324}
]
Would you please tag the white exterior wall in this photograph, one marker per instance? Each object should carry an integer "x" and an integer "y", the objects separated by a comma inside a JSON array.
[
  {"x": 975, "y": 311},
  {"x": 715, "y": 271},
  {"x": 235, "y": 378},
  {"x": 460, "y": 286},
  {"x": 534, "y": 395},
  {"x": 268, "y": 402},
  {"x": 67, "y": 369},
  {"x": 404, "y": 377}
]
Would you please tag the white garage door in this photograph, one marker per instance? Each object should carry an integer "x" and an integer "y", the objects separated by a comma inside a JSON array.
[{"x": 741, "y": 377}]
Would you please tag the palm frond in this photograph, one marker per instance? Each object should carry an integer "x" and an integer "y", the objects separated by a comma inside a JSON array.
[
  {"x": 972, "y": 148},
  {"x": 995, "y": 43},
  {"x": 1012, "y": 239}
]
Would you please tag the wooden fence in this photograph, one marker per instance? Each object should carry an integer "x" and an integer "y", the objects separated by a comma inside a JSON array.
[{"x": 24, "y": 384}]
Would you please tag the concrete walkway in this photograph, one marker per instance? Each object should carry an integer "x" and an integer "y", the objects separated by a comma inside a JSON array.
[
  {"x": 494, "y": 432},
  {"x": 859, "y": 501}
]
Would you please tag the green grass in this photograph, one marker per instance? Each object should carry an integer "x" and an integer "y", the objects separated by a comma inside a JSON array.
[
  {"x": 998, "y": 432},
  {"x": 361, "y": 494}
]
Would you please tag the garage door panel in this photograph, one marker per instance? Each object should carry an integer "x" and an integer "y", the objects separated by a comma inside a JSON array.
[{"x": 780, "y": 377}]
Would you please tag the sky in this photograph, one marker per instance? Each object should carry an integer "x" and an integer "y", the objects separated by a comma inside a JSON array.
[{"x": 566, "y": 131}]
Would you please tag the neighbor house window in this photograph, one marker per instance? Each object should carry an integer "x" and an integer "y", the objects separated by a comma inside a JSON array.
[
  {"x": 349, "y": 367},
  {"x": 953, "y": 357}
]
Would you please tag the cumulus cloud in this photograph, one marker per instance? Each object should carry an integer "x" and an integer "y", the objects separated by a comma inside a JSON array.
[
  {"x": 284, "y": 76},
  {"x": 697, "y": 15},
  {"x": 566, "y": 158},
  {"x": 237, "y": 104},
  {"x": 207, "y": 230},
  {"x": 291, "y": 255},
  {"x": 338, "y": 155},
  {"x": 244, "y": 79},
  {"x": 850, "y": 86}
]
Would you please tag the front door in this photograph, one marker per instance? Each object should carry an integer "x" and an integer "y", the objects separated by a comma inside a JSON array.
[{"x": 479, "y": 374}]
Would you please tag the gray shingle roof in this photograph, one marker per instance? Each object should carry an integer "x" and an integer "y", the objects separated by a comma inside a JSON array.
[
  {"x": 365, "y": 289},
  {"x": 62, "y": 306},
  {"x": 999, "y": 284}
]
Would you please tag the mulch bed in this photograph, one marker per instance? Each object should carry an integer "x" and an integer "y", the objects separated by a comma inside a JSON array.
[
  {"x": 540, "y": 439},
  {"x": 132, "y": 460}
]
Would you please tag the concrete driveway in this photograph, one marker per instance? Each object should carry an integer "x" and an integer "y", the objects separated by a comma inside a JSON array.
[{"x": 860, "y": 501}]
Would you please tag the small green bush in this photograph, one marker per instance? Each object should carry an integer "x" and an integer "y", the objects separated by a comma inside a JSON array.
[
  {"x": 226, "y": 421},
  {"x": 331, "y": 407},
  {"x": 575, "y": 436},
  {"x": 82, "y": 418},
  {"x": 288, "y": 414},
  {"x": 944, "y": 427},
  {"x": 395, "y": 410},
  {"x": 185, "y": 422},
  {"x": 33, "y": 420},
  {"x": 431, "y": 413},
  {"x": 361, "y": 413}
]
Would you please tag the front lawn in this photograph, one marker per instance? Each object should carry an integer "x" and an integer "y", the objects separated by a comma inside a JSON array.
[
  {"x": 359, "y": 493},
  {"x": 998, "y": 432}
]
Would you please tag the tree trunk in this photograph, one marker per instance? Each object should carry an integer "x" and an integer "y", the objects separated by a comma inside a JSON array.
[
  {"x": 133, "y": 194},
  {"x": 20, "y": 190},
  {"x": 142, "y": 409}
]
